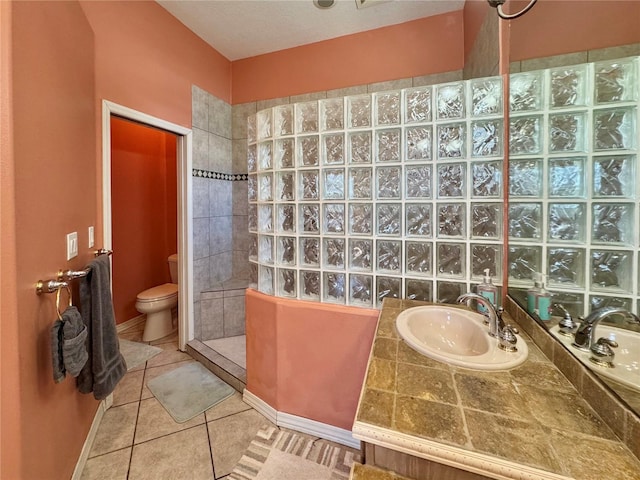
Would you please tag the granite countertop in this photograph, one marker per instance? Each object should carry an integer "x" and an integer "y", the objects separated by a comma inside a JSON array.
[{"x": 525, "y": 423}]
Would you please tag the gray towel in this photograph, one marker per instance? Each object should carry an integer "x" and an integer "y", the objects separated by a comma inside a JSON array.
[
  {"x": 105, "y": 366},
  {"x": 68, "y": 349}
]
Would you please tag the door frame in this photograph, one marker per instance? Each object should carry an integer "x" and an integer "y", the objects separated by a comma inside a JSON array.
[{"x": 185, "y": 205}]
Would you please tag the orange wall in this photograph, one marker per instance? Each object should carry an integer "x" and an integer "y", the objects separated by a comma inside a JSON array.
[
  {"x": 144, "y": 211},
  {"x": 474, "y": 13},
  {"x": 411, "y": 49}
]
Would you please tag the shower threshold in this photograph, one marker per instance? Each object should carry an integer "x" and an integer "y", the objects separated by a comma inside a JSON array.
[{"x": 226, "y": 359}]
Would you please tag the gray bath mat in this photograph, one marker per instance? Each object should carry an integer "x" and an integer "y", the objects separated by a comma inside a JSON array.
[
  {"x": 136, "y": 353},
  {"x": 188, "y": 391}
]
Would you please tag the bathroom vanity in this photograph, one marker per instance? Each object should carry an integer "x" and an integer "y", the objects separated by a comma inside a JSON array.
[{"x": 425, "y": 419}]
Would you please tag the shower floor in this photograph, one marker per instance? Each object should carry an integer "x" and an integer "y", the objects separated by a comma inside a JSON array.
[{"x": 232, "y": 348}]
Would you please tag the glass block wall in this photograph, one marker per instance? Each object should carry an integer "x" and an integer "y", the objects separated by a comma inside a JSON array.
[
  {"x": 573, "y": 186},
  {"x": 392, "y": 194}
]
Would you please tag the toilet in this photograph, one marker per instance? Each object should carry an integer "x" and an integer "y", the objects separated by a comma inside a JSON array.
[{"x": 157, "y": 303}]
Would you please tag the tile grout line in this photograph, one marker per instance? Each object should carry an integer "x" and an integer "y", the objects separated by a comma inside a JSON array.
[
  {"x": 135, "y": 427},
  {"x": 206, "y": 426}
]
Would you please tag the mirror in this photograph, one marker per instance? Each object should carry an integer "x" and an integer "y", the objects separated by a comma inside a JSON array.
[{"x": 573, "y": 183}]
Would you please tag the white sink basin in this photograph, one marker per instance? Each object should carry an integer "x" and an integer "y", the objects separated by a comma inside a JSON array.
[
  {"x": 626, "y": 361},
  {"x": 456, "y": 336}
]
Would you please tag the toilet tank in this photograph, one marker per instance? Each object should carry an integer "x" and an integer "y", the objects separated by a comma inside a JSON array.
[{"x": 173, "y": 267}]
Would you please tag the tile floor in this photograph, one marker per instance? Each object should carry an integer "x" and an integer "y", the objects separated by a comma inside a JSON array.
[
  {"x": 233, "y": 348},
  {"x": 137, "y": 439}
]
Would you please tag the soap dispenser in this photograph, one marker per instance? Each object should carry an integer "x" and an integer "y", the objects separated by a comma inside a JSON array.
[
  {"x": 488, "y": 290},
  {"x": 532, "y": 293},
  {"x": 543, "y": 302}
]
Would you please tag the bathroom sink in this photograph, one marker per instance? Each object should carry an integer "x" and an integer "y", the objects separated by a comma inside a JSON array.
[
  {"x": 626, "y": 361},
  {"x": 456, "y": 336}
]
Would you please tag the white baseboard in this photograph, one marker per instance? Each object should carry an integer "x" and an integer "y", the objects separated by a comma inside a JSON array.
[
  {"x": 88, "y": 443},
  {"x": 301, "y": 424},
  {"x": 133, "y": 322}
]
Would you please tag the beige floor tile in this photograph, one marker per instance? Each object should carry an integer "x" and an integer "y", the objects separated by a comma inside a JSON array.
[
  {"x": 171, "y": 354},
  {"x": 182, "y": 455},
  {"x": 129, "y": 388},
  {"x": 154, "y": 421},
  {"x": 153, "y": 372},
  {"x": 111, "y": 466},
  {"x": 171, "y": 338},
  {"x": 230, "y": 437},
  {"x": 229, "y": 406},
  {"x": 116, "y": 429},
  {"x": 131, "y": 334}
]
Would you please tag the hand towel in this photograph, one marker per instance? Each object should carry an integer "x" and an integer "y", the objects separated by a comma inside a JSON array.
[
  {"x": 105, "y": 366},
  {"x": 68, "y": 348}
]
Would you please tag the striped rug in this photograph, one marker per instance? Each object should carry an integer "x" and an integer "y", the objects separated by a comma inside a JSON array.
[{"x": 276, "y": 454}]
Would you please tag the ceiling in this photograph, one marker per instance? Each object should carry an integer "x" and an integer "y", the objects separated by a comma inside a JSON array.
[{"x": 245, "y": 28}]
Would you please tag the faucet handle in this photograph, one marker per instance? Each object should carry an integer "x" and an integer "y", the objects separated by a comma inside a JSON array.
[
  {"x": 602, "y": 352},
  {"x": 567, "y": 320},
  {"x": 507, "y": 339}
]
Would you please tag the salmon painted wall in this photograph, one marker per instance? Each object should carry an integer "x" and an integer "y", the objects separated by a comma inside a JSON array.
[
  {"x": 554, "y": 27},
  {"x": 420, "y": 47},
  {"x": 473, "y": 15},
  {"x": 308, "y": 359},
  {"x": 144, "y": 211}
]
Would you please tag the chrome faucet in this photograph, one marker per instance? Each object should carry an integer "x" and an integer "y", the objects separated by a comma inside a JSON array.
[
  {"x": 496, "y": 324},
  {"x": 585, "y": 338}
]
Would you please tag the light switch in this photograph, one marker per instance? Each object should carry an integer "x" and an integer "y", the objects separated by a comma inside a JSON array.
[
  {"x": 72, "y": 245},
  {"x": 92, "y": 241}
]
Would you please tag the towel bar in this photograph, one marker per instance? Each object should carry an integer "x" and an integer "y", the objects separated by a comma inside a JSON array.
[{"x": 52, "y": 286}]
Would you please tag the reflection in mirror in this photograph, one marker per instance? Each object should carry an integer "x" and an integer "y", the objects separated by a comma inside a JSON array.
[{"x": 573, "y": 167}]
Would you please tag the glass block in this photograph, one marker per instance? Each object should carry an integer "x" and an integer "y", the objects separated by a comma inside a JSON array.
[
  {"x": 265, "y": 218},
  {"x": 333, "y": 253},
  {"x": 387, "y": 287},
  {"x": 360, "y": 254},
  {"x": 334, "y": 285},
  {"x": 486, "y": 179},
  {"x": 360, "y": 289},
  {"x": 252, "y": 218},
  {"x": 525, "y": 178},
  {"x": 252, "y": 158},
  {"x": 310, "y": 217},
  {"x": 252, "y": 188},
  {"x": 360, "y": 218},
  {"x": 525, "y": 91},
  {"x": 418, "y": 181},
  {"x": 451, "y": 220},
  {"x": 614, "y": 129},
  {"x": 308, "y": 155},
  {"x": 566, "y": 266},
  {"x": 286, "y": 251},
  {"x": 388, "y": 255},
  {"x": 568, "y": 86},
  {"x": 387, "y": 108},
  {"x": 333, "y": 218},
  {"x": 265, "y": 155},
  {"x": 283, "y": 120},
  {"x": 448, "y": 292},
  {"x": 332, "y": 113},
  {"x": 286, "y": 218},
  {"x": 524, "y": 262},
  {"x": 333, "y": 149},
  {"x": 389, "y": 218},
  {"x": 360, "y": 147},
  {"x": 418, "y": 256},
  {"x": 486, "y": 220},
  {"x": 333, "y": 185},
  {"x": 566, "y": 177},
  {"x": 450, "y": 259},
  {"x": 418, "y": 290},
  {"x": 450, "y": 101},
  {"x": 615, "y": 81},
  {"x": 310, "y": 252},
  {"x": 359, "y": 183},
  {"x": 287, "y": 283},
  {"x": 283, "y": 153},
  {"x": 265, "y": 279},
  {"x": 265, "y": 249},
  {"x": 573, "y": 302},
  {"x": 309, "y": 285},
  {"x": 265, "y": 187},
  {"x": 597, "y": 302},
  {"x": 417, "y": 105},
  {"x": 486, "y": 137},
  {"x": 253, "y": 247},
  {"x": 525, "y": 220},
  {"x": 359, "y": 111},
  {"x": 486, "y": 96},
  {"x": 418, "y": 219},
  {"x": 388, "y": 145},
  {"x": 566, "y": 222},
  {"x": 524, "y": 135},
  {"x": 252, "y": 134},
  {"x": 253, "y": 275},
  {"x": 451, "y": 181},
  {"x": 308, "y": 184},
  {"x": 614, "y": 176},
  {"x": 612, "y": 223},
  {"x": 566, "y": 132},
  {"x": 388, "y": 182},
  {"x": 264, "y": 124},
  {"x": 451, "y": 140},
  {"x": 483, "y": 257},
  {"x": 418, "y": 142},
  {"x": 306, "y": 117},
  {"x": 286, "y": 186},
  {"x": 611, "y": 270}
]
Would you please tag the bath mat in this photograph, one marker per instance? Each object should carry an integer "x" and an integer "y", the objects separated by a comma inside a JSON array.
[
  {"x": 276, "y": 454},
  {"x": 188, "y": 391},
  {"x": 136, "y": 353}
]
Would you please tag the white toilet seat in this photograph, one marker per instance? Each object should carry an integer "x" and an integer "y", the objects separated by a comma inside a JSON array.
[{"x": 161, "y": 292}]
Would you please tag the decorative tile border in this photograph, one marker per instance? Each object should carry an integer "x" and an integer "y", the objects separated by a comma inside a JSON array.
[{"x": 230, "y": 177}]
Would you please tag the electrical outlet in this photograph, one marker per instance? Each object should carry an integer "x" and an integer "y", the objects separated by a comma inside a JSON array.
[
  {"x": 92, "y": 241},
  {"x": 72, "y": 245}
]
